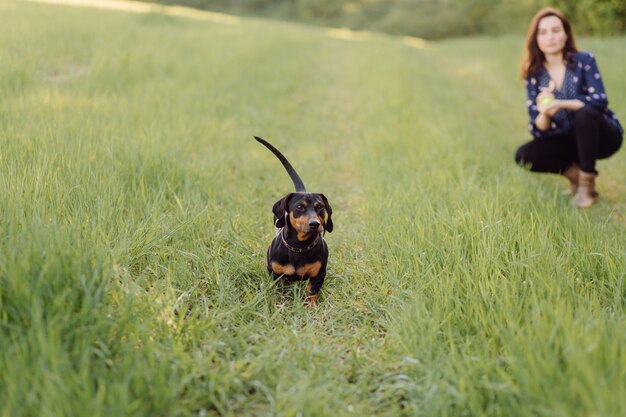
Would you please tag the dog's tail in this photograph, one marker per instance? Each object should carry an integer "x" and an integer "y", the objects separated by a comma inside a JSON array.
[{"x": 297, "y": 181}]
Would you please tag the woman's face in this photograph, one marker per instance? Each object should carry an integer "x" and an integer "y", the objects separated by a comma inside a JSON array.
[{"x": 551, "y": 37}]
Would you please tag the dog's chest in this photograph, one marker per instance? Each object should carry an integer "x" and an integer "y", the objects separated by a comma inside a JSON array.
[{"x": 302, "y": 270}]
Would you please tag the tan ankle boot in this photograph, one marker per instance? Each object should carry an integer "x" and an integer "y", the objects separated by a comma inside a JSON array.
[
  {"x": 586, "y": 194},
  {"x": 571, "y": 174}
]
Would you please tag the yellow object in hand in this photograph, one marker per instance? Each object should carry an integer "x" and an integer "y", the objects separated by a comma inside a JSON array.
[{"x": 546, "y": 101}]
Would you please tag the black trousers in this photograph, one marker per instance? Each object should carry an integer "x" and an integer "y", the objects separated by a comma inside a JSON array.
[{"x": 593, "y": 138}]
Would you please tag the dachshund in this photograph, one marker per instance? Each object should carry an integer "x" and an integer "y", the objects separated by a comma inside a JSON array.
[{"x": 298, "y": 251}]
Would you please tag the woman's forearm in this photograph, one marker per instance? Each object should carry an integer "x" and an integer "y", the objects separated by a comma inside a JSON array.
[
  {"x": 571, "y": 105},
  {"x": 542, "y": 122},
  {"x": 543, "y": 119}
]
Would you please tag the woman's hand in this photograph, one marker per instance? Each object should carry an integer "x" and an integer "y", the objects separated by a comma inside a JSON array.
[
  {"x": 547, "y": 106},
  {"x": 546, "y": 103}
]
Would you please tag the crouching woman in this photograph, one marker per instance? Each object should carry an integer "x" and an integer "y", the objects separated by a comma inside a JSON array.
[{"x": 570, "y": 120}]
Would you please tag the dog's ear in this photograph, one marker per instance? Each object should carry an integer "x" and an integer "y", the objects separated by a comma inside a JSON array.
[
  {"x": 280, "y": 210},
  {"x": 329, "y": 221}
]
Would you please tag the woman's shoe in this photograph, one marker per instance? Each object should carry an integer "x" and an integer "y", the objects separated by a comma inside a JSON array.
[
  {"x": 586, "y": 193},
  {"x": 571, "y": 174}
]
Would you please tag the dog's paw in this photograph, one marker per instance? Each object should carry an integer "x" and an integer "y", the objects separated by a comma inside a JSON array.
[{"x": 311, "y": 301}]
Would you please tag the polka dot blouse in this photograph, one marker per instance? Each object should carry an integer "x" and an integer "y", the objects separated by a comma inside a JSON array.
[{"x": 582, "y": 82}]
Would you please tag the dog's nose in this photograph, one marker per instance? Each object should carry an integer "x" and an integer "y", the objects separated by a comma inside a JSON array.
[{"x": 314, "y": 224}]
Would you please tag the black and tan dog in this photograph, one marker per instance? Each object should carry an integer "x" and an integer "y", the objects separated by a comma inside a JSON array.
[{"x": 298, "y": 251}]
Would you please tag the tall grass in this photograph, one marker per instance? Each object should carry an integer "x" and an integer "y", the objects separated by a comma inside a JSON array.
[{"x": 135, "y": 216}]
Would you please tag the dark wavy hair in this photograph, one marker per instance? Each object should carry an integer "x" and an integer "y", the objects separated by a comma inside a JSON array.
[{"x": 534, "y": 59}]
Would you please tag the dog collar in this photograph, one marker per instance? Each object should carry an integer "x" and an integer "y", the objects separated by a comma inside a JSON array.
[{"x": 300, "y": 250}]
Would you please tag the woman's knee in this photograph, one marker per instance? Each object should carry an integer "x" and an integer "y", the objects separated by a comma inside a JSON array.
[
  {"x": 523, "y": 156},
  {"x": 586, "y": 115}
]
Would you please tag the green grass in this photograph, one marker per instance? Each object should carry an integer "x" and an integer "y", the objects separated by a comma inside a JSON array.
[{"x": 136, "y": 211}]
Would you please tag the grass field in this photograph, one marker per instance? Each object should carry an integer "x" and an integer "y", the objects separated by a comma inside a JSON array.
[{"x": 131, "y": 189}]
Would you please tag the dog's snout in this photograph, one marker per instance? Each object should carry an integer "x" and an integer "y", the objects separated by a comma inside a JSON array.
[{"x": 314, "y": 224}]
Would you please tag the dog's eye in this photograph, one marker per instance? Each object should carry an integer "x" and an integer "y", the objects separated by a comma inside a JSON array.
[{"x": 299, "y": 207}]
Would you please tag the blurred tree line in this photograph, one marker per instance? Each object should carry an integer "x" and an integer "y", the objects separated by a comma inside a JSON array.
[{"x": 429, "y": 19}]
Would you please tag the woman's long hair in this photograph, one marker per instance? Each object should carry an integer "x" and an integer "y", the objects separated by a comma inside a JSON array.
[{"x": 534, "y": 59}]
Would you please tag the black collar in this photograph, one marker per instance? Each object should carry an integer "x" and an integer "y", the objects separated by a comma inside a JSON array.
[{"x": 300, "y": 250}]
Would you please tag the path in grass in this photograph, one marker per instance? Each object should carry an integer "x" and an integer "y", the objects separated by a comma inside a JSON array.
[{"x": 145, "y": 7}]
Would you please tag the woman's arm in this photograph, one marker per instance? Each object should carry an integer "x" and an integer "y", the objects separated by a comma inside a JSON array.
[
  {"x": 571, "y": 105},
  {"x": 595, "y": 94},
  {"x": 537, "y": 124},
  {"x": 542, "y": 122}
]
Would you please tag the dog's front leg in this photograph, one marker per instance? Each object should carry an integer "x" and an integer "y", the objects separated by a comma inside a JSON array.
[{"x": 314, "y": 287}]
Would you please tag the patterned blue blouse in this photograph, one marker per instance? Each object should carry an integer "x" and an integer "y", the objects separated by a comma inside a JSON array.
[{"x": 582, "y": 81}]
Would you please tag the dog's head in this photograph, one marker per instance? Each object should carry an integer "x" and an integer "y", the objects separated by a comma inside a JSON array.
[{"x": 304, "y": 212}]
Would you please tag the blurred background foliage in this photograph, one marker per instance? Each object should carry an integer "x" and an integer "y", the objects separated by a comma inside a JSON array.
[{"x": 429, "y": 19}]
